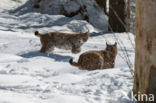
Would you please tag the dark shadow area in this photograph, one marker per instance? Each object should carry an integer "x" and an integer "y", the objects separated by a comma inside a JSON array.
[
  {"x": 99, "y": 33},
  {"x": 56, "y": 57},
  {"x": 7, "y": 30}
]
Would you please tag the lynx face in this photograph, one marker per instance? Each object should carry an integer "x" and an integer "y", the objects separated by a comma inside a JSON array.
[
  {"x": 60, "y": 40},
  {"x": 111, "y": 48},
  {"x": 93, "y": 60}
]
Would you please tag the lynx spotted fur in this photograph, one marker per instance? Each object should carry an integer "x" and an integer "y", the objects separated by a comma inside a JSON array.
[
  {"x": 60, "y": 40},
  {"x": 93, "y": 60}
]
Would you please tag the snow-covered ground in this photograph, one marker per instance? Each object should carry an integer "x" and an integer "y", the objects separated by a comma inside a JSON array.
[{"x": 27, "y": 76}]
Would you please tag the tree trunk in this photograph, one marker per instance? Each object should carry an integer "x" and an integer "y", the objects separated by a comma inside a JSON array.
[
  {"x": 119, "y": 16},
  {"x": 145, "y": 53},
  {"x": 102, "y": 3}
]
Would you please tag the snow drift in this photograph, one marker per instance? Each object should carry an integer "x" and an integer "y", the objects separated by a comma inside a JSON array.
[{"x": 95, "y": 14}]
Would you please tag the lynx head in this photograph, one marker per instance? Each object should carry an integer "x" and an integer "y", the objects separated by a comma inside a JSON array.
[
  {"x": 85, "y": 36},
  {"x": 111, "y": 48}
]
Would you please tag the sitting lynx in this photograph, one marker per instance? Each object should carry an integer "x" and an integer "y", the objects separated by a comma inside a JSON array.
[
  {"x": 93, "y": 60},
  {"x": 60, "y": 40}
]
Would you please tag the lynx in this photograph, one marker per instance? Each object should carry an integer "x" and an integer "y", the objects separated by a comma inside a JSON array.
[
  {"x": 93, "y": 60},
  {"x": 60, "y": 40}
]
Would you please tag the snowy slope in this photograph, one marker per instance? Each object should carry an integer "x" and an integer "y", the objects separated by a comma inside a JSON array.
[
  {"x": 58, "y": 7},
  {"x": 27, "y": 76},
  {"x": 31, "y": 22},
  {"x": 50, "y": 78}
]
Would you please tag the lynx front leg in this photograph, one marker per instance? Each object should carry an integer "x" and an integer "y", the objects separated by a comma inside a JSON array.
[
  {"x": 76, "y": 49},
  {"x": 43, "y": 49},
  {"x": 46, "y": 49}
]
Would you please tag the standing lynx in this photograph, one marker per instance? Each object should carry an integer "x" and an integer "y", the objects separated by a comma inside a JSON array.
[
  {"x": 93, "y": 60},
  {"x": 61, "y": 40}
]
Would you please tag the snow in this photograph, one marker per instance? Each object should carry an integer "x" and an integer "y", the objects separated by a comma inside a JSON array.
[
  {"x": 33, "y": 21},
  {"x": 57, "y": 7},
  {"x": 28, "y": 76},
  {"x": 5, "y": 4}
]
